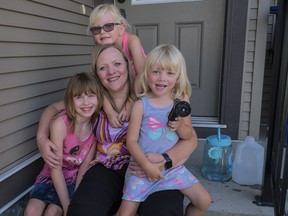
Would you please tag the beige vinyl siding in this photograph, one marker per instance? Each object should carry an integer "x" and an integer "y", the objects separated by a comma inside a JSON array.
[
  {"x": 42, "y": 43},
  {"x": 248, "y": 73},
  {"x": 254, "y": 69}
]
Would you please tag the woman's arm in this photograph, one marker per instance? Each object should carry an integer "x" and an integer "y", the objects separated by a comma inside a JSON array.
[
  {"x": 44, "y": 144},
  {"x": 187, "y": 143},
  {"x": 58, "y": 134},
  {"x": 179, "y": 154}
]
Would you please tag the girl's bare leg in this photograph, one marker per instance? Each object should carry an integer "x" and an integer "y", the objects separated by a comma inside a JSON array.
[
  {"x": 53, "y": 210},
  {"x": 35, "y": 207},
  {"x": 128, "y": 208},
  {"x": 200, "y": 200}
]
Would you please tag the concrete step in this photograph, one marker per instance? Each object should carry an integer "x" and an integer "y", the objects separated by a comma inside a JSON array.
[{"x": 228, "y": 198}]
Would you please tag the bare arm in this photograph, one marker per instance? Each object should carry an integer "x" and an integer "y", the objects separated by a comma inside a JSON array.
[
  {"x": 152, "y": 171},
  {"x": 58, "y": 134},
  {"x": 112, "y": 114},
  {"x": 182, "y": 125},
  {"x": 125, "y": 112},
  {"x": 179, "y": 154},
  {"x": 44, "y": 144},
  {"x": 138, "y": 56}
]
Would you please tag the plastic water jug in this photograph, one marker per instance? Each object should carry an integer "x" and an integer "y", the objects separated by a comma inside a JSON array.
[
  {"x": 248, "y": 162},
  {"x": 217, "y": 158}
]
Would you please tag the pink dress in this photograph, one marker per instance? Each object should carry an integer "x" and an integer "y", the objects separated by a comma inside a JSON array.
[{"x": 74, "y": 153}]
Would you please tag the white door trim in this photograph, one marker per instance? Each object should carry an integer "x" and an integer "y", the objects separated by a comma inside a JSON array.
[{"x": 142, "y": 2}]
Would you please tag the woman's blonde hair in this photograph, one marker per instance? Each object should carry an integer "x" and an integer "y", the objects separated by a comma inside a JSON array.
[
  {"x": 95, "y": 55},
  {"x": 98, "y": 13},
  {"x": 167, "y": 56},
  {"x": 78, "y": 84}
]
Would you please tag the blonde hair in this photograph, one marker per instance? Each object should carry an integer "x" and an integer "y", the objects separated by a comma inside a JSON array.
[
  {"x": 98, "y": 13},
  {"x": 167, "y": 56},
  {"x": 78, "y": 84},
  {"x": 95, "y": 55}
]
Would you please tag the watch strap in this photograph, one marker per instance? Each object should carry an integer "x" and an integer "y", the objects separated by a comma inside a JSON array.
[
  {"x": 166, "y": 157},
  {"x": 168, "y": 160}
]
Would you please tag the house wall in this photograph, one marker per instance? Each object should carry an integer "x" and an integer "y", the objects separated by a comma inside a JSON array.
[
  {"x": 42, "y": 44},
  {"x": 253, "y": 75},
  {"x": 266, "y": 99}
]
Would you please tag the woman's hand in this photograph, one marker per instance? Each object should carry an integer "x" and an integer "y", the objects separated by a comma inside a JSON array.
[
  {"x": 155, "y": 158},
  {"x": 46, "y": 149}
]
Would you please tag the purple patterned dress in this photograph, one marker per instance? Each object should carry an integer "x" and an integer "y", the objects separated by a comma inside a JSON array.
[{"x": 155, "y": 136}]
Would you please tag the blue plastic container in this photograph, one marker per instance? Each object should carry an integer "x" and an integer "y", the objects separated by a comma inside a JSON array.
[{"x": 217, "y": 158}]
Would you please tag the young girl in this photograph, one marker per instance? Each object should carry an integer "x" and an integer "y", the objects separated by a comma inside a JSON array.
[
  {"x": 108, "y": 26},
  {"x": 164, "y": 79},
  {"x": 71, "y": 131}
]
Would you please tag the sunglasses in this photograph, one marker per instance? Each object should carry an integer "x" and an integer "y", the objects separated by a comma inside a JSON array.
[{"x": 108, "y": 27}]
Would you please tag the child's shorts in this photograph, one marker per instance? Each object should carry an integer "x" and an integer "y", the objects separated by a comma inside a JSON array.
[{"x": 47, "y": 193}]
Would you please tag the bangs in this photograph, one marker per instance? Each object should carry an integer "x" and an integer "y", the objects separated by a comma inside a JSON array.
[
  {"x": 165, "y": 61},
  {"x": 96, "y": 16},
  {"x": 84, "y": 86}
]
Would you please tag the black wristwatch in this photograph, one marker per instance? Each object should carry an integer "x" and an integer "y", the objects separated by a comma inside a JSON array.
[{"x": 168, "y": 160}]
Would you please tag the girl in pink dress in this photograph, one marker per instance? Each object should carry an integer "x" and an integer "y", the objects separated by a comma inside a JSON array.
[{"x": 72, "y": 132}]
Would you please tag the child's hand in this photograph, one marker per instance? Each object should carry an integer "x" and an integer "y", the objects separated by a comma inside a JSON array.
[
  {"x": 174, "y": 125},
  {"x": 113, "y": 119},
  {"x": 124, "y": 115},
  {"x": 153, "y": 172}
]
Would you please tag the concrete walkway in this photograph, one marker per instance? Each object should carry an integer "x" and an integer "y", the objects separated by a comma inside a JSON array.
[{"x": 228, "y": 198}]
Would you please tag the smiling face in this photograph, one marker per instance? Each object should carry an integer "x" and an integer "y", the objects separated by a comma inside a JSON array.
[
  {"x": 85, "y": 104},
  {"x": 162, "y": 81},
  {"x": 112, "y": 70},
  {"x": 114, "y": 36}
]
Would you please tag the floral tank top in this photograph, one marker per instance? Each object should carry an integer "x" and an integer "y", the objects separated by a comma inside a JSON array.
[{"x": 111, "y": 143}]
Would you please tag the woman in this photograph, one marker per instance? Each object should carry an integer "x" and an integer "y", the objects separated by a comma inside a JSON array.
[{"x": 101, "y": 188}]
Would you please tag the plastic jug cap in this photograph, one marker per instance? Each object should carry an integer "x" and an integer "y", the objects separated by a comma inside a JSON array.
[
  {"x": 215, "y": 141},
  {"x": 250, "y": 139}
]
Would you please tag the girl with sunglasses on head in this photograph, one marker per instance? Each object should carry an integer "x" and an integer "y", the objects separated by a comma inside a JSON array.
[
  {"x": 71, "y": 132},
  {"x": 108, "y": 26}
]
